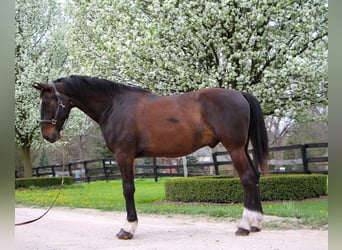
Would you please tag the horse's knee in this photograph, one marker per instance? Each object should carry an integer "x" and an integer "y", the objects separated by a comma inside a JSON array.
[{"x": 128, "y": 189}]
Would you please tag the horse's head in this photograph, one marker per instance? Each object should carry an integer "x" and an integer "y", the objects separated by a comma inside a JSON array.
[{"x": 54, "y": 110}]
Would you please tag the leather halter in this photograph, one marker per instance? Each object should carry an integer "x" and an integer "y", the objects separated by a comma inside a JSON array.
[{"x": 60, "y": 105}]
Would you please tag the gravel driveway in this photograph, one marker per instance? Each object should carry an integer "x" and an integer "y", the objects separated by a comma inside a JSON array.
[{"x": 64, "y": 228}]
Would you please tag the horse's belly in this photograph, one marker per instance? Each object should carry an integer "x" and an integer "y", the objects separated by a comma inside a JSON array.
[{"x": 175, "y": 141}]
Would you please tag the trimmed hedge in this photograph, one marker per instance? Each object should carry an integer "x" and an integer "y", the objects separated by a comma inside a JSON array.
[
  {"x": 42, "y": 181},
  {"x": 229, "y": 190}
]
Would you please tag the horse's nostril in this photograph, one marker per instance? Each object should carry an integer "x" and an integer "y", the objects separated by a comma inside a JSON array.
[
  {"x": 51, "y": 137},
  {"x": 46, "y": 137}
]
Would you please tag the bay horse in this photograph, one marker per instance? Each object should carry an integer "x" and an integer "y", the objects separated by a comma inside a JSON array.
[{"x": 137, "y": 123}]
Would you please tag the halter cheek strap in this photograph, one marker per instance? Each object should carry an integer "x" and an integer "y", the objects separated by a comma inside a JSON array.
[{"x": 60, "y": 105}]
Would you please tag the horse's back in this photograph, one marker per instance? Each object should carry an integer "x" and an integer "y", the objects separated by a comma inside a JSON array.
[{"x": 225, "y": 98}]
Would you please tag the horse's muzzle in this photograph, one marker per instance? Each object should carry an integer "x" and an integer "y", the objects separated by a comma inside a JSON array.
[
  {"x": 52, "y": 139},
  {"x": 51, "y": 134}
]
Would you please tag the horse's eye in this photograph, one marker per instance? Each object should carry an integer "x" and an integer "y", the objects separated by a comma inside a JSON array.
[{"x": 46, "y": 101}]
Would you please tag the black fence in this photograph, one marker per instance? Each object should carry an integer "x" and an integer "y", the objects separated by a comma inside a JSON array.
[{"x": 302, "y": 158}]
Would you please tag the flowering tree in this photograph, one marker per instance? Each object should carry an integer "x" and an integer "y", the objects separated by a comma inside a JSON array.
[
  {"x": 40, "y": 55},
  {"x": 276, "y": 50}
]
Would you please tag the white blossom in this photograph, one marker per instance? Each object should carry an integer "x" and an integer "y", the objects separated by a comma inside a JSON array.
[{"x": 277, "y": 50}]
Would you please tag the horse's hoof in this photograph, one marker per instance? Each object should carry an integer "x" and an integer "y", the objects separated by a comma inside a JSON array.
[
  {"x": 242, "y": 232},
  {"x": 255, "y": 229},
  {"x": 123, "y": 235}
]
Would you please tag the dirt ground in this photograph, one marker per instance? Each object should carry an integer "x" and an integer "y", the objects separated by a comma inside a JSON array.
[{"x": 64, "y": 228}]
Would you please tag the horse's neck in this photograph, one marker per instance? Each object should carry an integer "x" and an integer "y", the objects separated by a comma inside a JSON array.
[
  {"x": 96, "y": 105},
  {"x": 93, "y": 106}
]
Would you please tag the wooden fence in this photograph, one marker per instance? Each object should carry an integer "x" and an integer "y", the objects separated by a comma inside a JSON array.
[{"x": 302, "y": 158}]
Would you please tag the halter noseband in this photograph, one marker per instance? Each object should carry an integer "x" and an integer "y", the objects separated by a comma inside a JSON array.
[{"x": 60, "y": 105}]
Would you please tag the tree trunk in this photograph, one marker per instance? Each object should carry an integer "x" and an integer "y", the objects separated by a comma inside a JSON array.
[
  {"x": 81, "y": 147},
  {"x": 27, "y": 163}
]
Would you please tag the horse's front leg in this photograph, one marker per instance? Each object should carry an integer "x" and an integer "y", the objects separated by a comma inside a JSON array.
[{"x": 127, "y": 172}]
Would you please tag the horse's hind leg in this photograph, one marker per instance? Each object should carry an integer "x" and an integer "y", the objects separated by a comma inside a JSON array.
[{"x": 252, "y": 215}]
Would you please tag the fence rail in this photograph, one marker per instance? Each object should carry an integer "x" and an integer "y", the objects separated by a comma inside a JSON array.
[{"x": 300, "y": 159}]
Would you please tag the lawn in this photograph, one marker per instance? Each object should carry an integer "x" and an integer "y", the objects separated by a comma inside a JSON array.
[{"x": 150, "y": 198}]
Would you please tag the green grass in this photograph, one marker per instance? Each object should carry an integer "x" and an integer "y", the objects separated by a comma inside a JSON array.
[{"x": 150, "y": 198}]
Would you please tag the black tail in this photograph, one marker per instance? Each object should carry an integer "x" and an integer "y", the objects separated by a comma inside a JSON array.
[{"x": 257, "y": 133}]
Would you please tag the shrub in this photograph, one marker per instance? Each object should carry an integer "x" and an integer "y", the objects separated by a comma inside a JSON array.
[
  {"x": 42, "y": 181},
  {"x": 229, "y": 190},
  {"x": 292, "y": 187}
]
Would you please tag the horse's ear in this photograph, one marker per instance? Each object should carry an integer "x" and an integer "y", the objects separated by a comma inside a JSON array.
[{"x": 38, "y": 86}]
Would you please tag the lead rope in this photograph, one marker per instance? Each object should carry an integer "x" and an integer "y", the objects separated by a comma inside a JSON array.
[{"x": 54, "y": 201}]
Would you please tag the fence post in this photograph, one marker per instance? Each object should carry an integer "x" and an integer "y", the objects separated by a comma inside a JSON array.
[
  {"x": 69, "y": 168},
  {"x": 155, "y": 167},
  {"x": 304, "y": 158},
  {"x": 86, "y": 171},
  {"x": 53, "y": 171},
  {"x": 37, "y": 172},
  {"x": 105, "y": 169},
  {"x": 214, "y": 156},
  {"x": 185, "y": 166}
]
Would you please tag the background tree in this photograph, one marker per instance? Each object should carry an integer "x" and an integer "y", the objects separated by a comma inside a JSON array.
[
  {"x": 276, "y": 50},
  {"x": 40, "y": 55}
]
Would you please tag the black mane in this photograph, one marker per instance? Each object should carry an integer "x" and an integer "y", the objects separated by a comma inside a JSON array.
[{"x": 87, "y": 84}]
